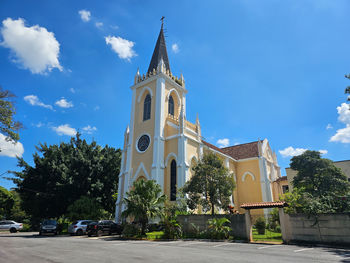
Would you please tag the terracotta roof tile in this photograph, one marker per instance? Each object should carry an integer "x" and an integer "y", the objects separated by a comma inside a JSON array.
[
  {"x": 283, "y": 178},
  {"x": 263, "y": 205},
  {"x": 213, "y": 147},
  {"x": 242, "y": 151}
]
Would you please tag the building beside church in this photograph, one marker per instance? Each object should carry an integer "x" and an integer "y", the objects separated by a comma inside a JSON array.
[
  {"x": 343, "y": 165},
  {"x": 160, "y": 144}
]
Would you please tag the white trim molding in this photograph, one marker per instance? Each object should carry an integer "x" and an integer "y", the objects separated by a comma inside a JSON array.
[
  {"x": 245, "y": 175},
  {"x": 168, "y": 158},
  {"x": 141, "y": 167},
  {"x": 143, "y": 91},
  {"x": 177, "y": 95}
]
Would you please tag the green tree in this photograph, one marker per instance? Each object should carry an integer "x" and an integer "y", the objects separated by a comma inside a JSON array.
[
  {"x": 211, "y": 185},
  {"x": 17, "y": 213},
  {"x": 8, "y": 126},
  {"x": 347, "y": 90},
  {"x": 86, "y": 208},
  {"x": 64, "y": 173},
  {"x": 144, "y": 202},
  {"x": 318, "y": 176},
  {"x": 6, "y": 203}
]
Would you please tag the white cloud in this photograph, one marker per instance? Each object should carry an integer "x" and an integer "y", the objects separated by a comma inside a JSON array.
[
  {"x": 344, "y": 113},
  {"x": 85, "y": 15},
  {"x": 40, "y": 124},
  {"x": 63, "y": 103},
  {"x": 72, "y": 90},
  {"x": 175, "y": 48},
  {"x": 291, "y": 151},
  {"x": 99, "y": 24},
  {"x": 223, "y": 142},
  {"x": 97, "y": 108},
  {"x": 114, "y": 27},
  {"x": 89, "y": 130},
  {"x": 65, "y": 130},
  {"x": 34, "y": 101},
  {"x": 34, "y": 48},
  {"x": 323, "y": 151},
  {"x": 122, "y": 47},
  {"x": 329, "y": 126},
  {"x": 343, "y": 135},
  {"x": 9, "y": 148}
]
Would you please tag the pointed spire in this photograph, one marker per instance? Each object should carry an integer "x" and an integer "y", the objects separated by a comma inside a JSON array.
[
  {"x": 199, "y": 132},
  {"x": 160, "y": 52},
  {"x": 137, "y": 76},
  {"x": 182, "y": 119}
]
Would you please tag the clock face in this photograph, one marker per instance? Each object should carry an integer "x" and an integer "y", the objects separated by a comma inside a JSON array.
[{"x": 143, "y": 143}]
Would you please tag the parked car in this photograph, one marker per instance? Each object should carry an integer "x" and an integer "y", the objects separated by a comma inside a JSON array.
[
  {"x": 78, "y": 227},
  {"x": 103, "y": 227},
  {"x": 10, "y": 225},
  {"x": 48, "y": 226}
]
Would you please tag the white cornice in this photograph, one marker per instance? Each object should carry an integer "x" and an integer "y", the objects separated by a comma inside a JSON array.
[{"x": 153, "y": 77}]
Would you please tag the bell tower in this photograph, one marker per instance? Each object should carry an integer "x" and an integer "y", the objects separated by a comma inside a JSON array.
[{"x": 153, "y": 146}]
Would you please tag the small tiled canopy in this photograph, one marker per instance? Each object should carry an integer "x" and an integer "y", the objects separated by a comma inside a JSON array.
[{"x": 263, "y": 205}]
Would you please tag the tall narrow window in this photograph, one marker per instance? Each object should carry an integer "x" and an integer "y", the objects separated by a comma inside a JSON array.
[
  {"x": 173, "y": 180},
  {"x": 147, "y": 108},
  {"x": 171, "y": 106}
]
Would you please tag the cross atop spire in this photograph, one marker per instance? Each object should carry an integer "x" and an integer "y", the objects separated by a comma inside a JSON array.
[
  {"x": 162, "y": 19},
  {"x": 160, "y": 51}
]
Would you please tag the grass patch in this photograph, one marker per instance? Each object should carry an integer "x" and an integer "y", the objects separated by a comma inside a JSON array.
[
  {"x": 268, "y": 236},
  {"x": 155, "y": 235}
]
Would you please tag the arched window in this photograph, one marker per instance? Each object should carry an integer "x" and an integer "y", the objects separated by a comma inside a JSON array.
[
  {"x": 147, "y": 108},
  {"x": 171, "y": 106},
  {"x": 173, "y": 180}
]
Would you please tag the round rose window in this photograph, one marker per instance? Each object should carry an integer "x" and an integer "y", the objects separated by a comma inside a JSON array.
[{"x": 143, "y": 143}]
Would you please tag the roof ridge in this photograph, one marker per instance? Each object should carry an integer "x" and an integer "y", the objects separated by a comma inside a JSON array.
[{"x": 239, "y": 144}]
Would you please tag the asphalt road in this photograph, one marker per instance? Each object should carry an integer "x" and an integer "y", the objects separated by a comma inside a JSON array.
[{"x": 31, "y": 248}]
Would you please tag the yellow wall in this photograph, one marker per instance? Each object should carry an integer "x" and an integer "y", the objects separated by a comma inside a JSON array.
[
  {"x": 141, "y": 127},
  {"x": 249, "y": 191}
]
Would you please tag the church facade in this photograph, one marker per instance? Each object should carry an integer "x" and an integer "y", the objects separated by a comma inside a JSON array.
[{"x": 161, "y": 145}]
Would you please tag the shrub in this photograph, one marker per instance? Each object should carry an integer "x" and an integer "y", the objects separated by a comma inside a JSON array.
[
  {"x": 26, "y": 228},
  {"x": 273, "y": 221},
  {"x": 131, "y": 230},
  {"x": 278, "y": 229},
  {"x": 260, "y": 225},
  {"x": 192, "y": 232},
  {"x": 218, "y": 229},
  {"x": 172, "y": 229}
]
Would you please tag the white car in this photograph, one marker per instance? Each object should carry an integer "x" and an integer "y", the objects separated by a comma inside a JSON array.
[
  {"x": 10, "y": 225},
  {"x": 78, "y": 227}
]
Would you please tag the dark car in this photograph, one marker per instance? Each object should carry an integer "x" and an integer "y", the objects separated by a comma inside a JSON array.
[
  {"x": 48, "y": 226},
  {"x": 103, "y": 227}
]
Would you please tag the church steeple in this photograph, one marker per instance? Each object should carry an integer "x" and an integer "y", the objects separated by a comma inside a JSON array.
[{"x": 159, "y": 52}]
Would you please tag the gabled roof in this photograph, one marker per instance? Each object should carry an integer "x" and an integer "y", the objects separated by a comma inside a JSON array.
[
  {"x": 242, "y": 151},
  {"x": 238, "y": 152},
  {"x": 212, "y": 146},
  {"x": 264, "y": 205},
  {"x": 159, "y": 53}
]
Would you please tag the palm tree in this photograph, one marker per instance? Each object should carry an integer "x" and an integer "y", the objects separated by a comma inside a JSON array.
[{"x": 144, "y": 202}]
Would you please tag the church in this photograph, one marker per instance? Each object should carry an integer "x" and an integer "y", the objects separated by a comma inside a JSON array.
[{"x": 161, "y": 145}]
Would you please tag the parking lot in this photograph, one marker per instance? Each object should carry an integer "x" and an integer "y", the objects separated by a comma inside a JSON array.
[{"x": 29, "y": 247}]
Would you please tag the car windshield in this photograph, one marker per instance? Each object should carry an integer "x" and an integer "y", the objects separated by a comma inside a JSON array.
[{"x": 50, "y": 222}]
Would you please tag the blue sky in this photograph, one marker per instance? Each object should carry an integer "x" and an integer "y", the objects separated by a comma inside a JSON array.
[{"x": 253, "y": 69}]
